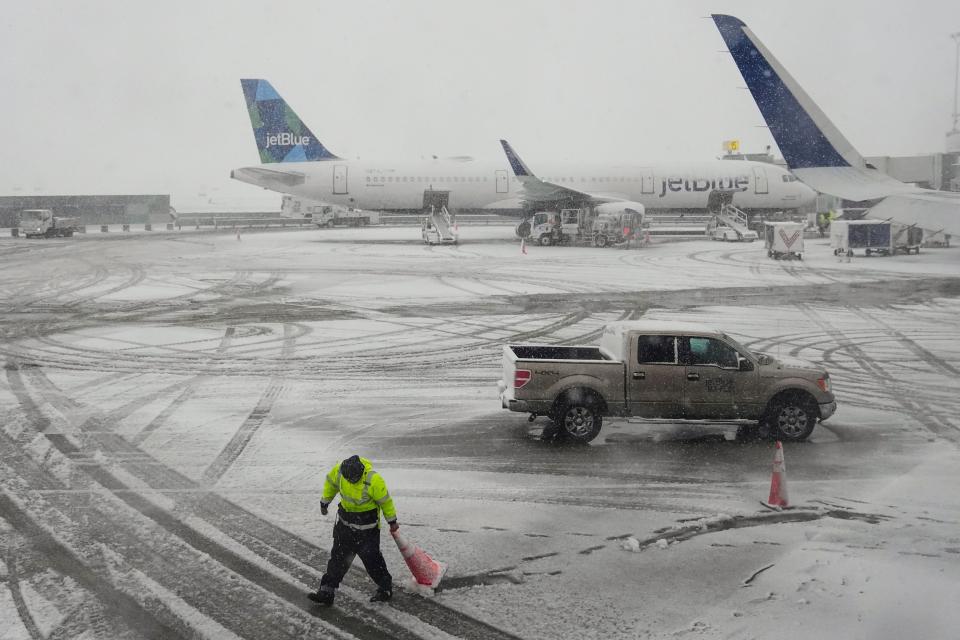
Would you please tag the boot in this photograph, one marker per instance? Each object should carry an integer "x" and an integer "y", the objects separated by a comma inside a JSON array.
[
  {"x": 382, "y": 595},
  {"x": 323, "y": 597}
]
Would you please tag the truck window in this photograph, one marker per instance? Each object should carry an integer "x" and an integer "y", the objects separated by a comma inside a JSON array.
[
  {"x": 707, "y": 351},
  {"x": 656, "y": 350}
]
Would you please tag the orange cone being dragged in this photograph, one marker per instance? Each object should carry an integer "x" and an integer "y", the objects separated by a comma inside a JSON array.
[
  {"x": 425, "y": 570},
  {"x": 778, "y": 480}
]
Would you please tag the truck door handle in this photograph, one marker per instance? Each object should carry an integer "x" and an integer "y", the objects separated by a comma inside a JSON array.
[
  {"x": 639, "y": 375},
  {"x": 693, "y": 376}
]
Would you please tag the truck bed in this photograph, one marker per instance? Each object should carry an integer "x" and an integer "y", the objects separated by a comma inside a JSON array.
[{"x": 556, "y": 352}]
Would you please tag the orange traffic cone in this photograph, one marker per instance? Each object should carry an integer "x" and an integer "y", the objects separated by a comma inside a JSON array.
[
  {"x": 523, "y": 246},
  {"x": 778, "y": 480},
  {"x": 425, "y": 570}
]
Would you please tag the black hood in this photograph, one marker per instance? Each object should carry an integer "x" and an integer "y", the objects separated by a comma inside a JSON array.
[{"x": 352, "y": 468}]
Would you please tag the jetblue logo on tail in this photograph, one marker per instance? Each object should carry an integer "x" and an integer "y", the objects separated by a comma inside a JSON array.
[{"x": 286, "y": 140}]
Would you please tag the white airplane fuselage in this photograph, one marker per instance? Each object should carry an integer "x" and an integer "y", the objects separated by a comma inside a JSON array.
[{"x": 478, "y": 185}]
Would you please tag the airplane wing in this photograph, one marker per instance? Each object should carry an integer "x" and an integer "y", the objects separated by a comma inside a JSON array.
[
  {"x": 815, "y": 150},
  {"x": 932, "y": 214},
  {"x": 269, "y": 178},
  {"x": 537, "y": 190}
]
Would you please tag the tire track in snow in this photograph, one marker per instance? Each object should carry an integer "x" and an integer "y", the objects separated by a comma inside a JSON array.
[
  {"x": 191, "y": 387},
  {"x": 933, "y": 421},
  {"x": 289, "y": 553},
  {"x": 16, "y": 594},
  {"x": 236, "y": 606}
]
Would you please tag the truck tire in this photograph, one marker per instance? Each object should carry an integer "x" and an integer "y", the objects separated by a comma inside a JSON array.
[
  {"x": 792, "y": 416},
  {"x": 601, "y": 240},
  {"x": 578, "y": 420},
  {"x": 545, "y": 240}
]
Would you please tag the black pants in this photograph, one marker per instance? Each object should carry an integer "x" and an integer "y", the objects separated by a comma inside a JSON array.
[{"x": 348, "y": 543}]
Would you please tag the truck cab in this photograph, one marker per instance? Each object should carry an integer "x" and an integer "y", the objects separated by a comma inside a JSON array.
[
  {"x": 558, "y": 227},
  {"x": 41, "y": 223}
]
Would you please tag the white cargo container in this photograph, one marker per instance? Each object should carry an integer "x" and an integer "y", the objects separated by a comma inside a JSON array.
[
  {"x": 783, "y": 240},
  {"x": 871, "y": 236}
]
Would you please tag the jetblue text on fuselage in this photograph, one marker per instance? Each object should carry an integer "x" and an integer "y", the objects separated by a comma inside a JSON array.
[
  {"x": 286, "y": 140},
  {"x": 740, "y": 183}
]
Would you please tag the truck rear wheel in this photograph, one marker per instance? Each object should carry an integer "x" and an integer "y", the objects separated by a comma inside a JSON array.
[
  {"x": 578, "y": 421},
  {"x": 792, "y": 417}
]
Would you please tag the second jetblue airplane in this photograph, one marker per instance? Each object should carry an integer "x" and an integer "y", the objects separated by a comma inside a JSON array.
[{"x": 294, "y": 161}]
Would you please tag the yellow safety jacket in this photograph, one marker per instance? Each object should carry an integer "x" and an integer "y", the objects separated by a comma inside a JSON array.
[{"x": 360, "y": 502}]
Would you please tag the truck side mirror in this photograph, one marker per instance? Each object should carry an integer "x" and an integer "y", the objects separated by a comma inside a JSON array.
[{"x": 744, "y": 364}]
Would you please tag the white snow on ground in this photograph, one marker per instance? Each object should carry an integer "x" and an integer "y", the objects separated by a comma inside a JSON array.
[{"x": 375, "y": 355}]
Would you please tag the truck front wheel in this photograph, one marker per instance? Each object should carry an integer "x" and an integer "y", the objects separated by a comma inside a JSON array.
[
  {"x": 578, "y": 420},
  {"x": 792, "y": 417}
]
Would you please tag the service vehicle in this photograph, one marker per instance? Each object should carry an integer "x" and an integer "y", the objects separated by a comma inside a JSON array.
[
  {"x": 906, "y": 238},
  {"x": 327, "y": 215},
  {"x": 616, "y": 228},
  {"x": 41, "y": 223},
  {"x": 871, "y": 236},
  {"x": 783, "y": 240},
  {"x": 559, "y": 227},
  {"x": 730, "y": 224},
  {"x": 652, "y": 369},
  {"x": 935, "y": 239}
]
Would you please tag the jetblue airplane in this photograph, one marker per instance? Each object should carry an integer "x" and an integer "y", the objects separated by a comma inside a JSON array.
[
  {"x": 294, "y": 161},
  {"x": 817, "y": 152}
]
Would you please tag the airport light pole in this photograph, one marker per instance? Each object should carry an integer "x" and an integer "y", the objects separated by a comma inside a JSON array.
[{"x": 956, "y": 80}]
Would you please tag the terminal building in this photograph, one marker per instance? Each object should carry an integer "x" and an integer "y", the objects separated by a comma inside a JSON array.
[{"x": 91, "y": 209}]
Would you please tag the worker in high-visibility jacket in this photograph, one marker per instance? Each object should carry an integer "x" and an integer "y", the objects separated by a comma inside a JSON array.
[{"x": 363, "y": 495}]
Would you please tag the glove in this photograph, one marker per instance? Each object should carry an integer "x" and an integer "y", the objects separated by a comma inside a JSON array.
[
  {"x": 323, "y": 508},
  {"x": 394, "y": 526}
]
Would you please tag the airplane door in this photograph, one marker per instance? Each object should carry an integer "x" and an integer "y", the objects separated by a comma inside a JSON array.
[
  {"x": 760, "y": 186},
  {"x": 340, "y": 179},
  {"x": 647, "y": 182},
  {"x": 503, "y": 186}
]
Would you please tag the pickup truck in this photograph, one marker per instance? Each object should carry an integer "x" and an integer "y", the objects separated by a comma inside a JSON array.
[{"x": 653, "y": 369}]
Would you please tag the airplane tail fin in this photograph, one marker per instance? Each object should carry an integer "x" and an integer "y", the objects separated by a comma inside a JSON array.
[
  {"x": 520, "y": 169},
  {"x": 280, "y": 134},
  {"x": 805, "y": 135}
]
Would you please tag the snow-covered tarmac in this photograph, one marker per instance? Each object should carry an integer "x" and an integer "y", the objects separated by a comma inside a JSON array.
[{"x": 170, "y": 404}]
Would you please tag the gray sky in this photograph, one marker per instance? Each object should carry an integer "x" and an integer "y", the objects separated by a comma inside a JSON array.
[{"x": 117, "y": 97}]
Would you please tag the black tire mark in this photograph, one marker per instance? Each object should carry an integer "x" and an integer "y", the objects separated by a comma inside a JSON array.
[
  {"x": 13, "y": 584},
  {"x": 118, "y": 603},
  {"x": 222, "y": 463}
]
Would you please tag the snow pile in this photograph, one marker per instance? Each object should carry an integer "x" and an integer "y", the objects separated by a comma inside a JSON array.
[{"x": 415, "y": 587}]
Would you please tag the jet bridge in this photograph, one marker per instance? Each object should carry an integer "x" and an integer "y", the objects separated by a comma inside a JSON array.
[{"x": 437, "y": 226}]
